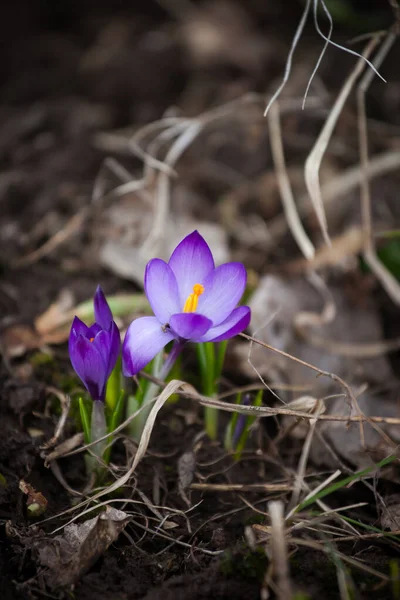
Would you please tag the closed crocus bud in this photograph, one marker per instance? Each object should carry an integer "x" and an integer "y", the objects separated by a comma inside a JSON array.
[{"x": 94, "y": 350}]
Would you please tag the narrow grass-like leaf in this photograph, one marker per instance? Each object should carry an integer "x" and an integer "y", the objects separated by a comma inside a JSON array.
[
  {"x": 343, "y": 483},
  {"x": 120, "y": 305},
  {"x": 147, "y": 390},
  {"x": 114, "y": 421},
  {"x": 113, "y": 390},
  {"x": 371, "y": 528},
  {"x": 118, "y": 411},
  {"x": 85, "y": 419}
]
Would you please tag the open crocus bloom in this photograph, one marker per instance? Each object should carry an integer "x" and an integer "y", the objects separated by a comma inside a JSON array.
[
  {"x": 191, "y": 300},
  {"x": 94, "y": 350}
]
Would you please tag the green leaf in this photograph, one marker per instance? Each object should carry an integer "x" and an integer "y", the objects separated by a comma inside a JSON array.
[
  {"x": 120, "y": 305},
  {"x": 113, "y": 423},
  {"x": 85, "y": 419},
  {"x": 113, "y": 390},
  {"x": 219, "y": 359},
  {"x": 390, "y": 256},
  {"x": 343, "y": 483},
  {"x": 116, "y": 416},
  {"x": 371, "y": 528}
]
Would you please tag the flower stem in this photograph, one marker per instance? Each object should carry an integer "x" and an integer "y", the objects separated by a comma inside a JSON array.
[
  {"x": 170, "y": 360},
  {"x": 210, "y": 367},
  {"x": 153, "y": 389},
  {"x": 98, "y": 428},
  {"x": 211, "y": 422}
]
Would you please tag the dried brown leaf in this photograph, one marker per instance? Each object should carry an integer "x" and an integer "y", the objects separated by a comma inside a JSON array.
[{"x": 71, "y": 554}]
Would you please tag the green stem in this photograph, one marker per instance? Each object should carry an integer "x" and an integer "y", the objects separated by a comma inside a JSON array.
[
  {"x": 209, "y": 374},
  {"x": 138, "y": 423},
  {"x": 98, "y": 428},
  {"x": 211, "y": 422}
]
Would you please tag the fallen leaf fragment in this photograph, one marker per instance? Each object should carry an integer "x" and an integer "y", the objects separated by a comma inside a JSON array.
[
  {"x": 70, "y": 555},
  {"x": 17, "y": 339}
]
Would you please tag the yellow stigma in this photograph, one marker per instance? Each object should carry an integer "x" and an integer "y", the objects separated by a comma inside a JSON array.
[{"x": 193, "y": 299}]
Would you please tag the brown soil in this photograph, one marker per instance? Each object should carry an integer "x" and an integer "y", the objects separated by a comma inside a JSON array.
[{"x": 54, "y": 98}]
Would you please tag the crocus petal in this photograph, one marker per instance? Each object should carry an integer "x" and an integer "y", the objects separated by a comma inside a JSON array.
[
  {"x": 223, "y": 289},
  {"x": 144, "y": 338},
  {"x": 237, "y": 321},
  {"x": 189, "y": 326},
  {"x": 102, "y": 312},
  {"x": 89, "y": 365},
  {"x": 115, "y": 347},
  {"x": 107, "y": 343},
  {"x": 191, "y": 261},
  {"x": 78, "y": 328},
  {"x": 92, "y": 331},
  {"x": 161, "y": 289}
]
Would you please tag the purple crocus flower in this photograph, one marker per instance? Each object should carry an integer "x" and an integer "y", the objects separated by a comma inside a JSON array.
[
  {"x": 192, "y": 300},
  {"x": 94, "y": 350}
]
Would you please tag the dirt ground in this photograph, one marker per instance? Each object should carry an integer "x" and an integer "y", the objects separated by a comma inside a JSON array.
[{"x": 72, "y": 73}]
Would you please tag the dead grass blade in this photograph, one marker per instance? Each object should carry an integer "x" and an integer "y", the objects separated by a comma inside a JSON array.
[
  {"x": 387, "y": 280},
  {"x": 338, "y": 187},
  {"x": 289, "y": 205},
  {"x": 172, "y": 388},
  {"x": 163, "y": 187},
  {"x": 301, "y": 470},
  {"x": 242, "y": 487},
  {"x": 346, "y": 244},
  {"x": 280, "y": 562},
  {"x": 314, "y": 159},
  {"x": 288, "y": 66},
  {"x": 348, "y": 390},
  {"x": 347, "y": 559},
  {"x": 71, "y": 228}
]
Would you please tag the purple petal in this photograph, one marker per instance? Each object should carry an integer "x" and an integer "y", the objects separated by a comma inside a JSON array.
[
  {"x": 92, "y": 331},
  {"x": 78, "y": 327},
  {"x": 107, "y": 343},
  {"x": 191, "y": 261},
  {"x": 161, "y": 289},
  {"x": 189, "y": 326},
  {"x": 143, "y": 340},
  {"x": 223, "y": 289},
  {"x": 237, "y": 321},
  {"x": 115, "y": 347},
  {"x": 102, "y": 312},
  {"x": 90, "y": 367}
]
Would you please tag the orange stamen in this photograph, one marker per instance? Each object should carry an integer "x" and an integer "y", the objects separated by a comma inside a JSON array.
[
  {"x": 91, "y": 339},
  {"x": 193, "y": 299}
]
